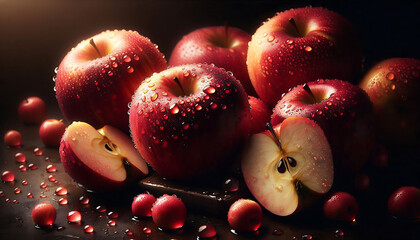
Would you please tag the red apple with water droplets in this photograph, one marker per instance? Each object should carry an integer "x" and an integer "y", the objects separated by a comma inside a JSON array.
[
  {"x": 142, "y": 205},
  {"x": 224, "y": 46},
  {"x": 289, "y": 166},
  {"x": 245, "y": 215},
  {"x": 32, "y": 110},
  {"x": 405, "y": 203},
  {"x": 44, "y": 214},
  {"x": 13, "y": 138},
  {"x": 101, "y": 160},
  {"x": 187, "y": 119},
  {"x": 342, "y": 110},
  {"x": 51, "y": 131},
  {"x": 393, "y": 86},
  {"x": 169, "y": 212},
  {"x": 341, "y": 206},
  {"x": 298, "y": 46},
  {"x": 96, "y": 79},
  {"x": 260, "y": 115}
]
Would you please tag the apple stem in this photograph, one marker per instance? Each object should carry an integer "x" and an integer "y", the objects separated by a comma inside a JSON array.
[
  {"x": 179, "y": 84},
  {"x": 309, "y": 91},
  {"x": 292, "y": 21},
  {"x": 270, "y": 128},
  {"x": 95, "y": 47}
]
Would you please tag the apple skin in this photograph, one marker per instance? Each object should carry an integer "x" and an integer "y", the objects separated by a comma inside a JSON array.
[
  {"x": 225, "y": 47},
  {"x": 51, "y": 131},
  {"x": 32, "y": 110},
  {"x": 260, "y": 115},
  {"x": 169, "y": 212},
  {"x": 345, "y": 114},
  {"x": 280, "y": 57},
  {"x": 393, "y": 86},
  {"x": 13, "y": 138},
  {"x": 44, "y": 214},
  {"x": 341, "y": 206},
  {"x": 172, "y": 130},
  {"x": 405, "y": 203},
  {"x": 97, "y": 89},
  {"x": 142, "y": 205},
  {"x": 245, "y": 215}
]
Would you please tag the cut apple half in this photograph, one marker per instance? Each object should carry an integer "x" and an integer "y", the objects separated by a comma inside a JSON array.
[
  {"x": 280, "y": 162},
  {"x": 100, "y": 159}
]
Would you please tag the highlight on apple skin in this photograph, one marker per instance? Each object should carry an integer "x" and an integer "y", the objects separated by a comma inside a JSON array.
[
  {"x": 96, "y": 79},
  {"x": 224, "y": 46},
  {"x": 301, "y": 45},
  {"x": 101, "y": 160},
  {"x": 187, "y": 119}
]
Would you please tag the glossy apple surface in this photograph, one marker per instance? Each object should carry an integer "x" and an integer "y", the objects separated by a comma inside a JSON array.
[
  {"x": 226, "y": 47},
  {"x": 13, "y": 138},
  {"x": 341, "y": 206},
  {"x": 245, "y": 215},
  {"x": 51, "y": 131},
  {"x": 187, "y": 119},
  {"x": 393, "y": 87},
  {"x": 298, "y": 46},
  {"x": 32, "y": 110},
  {"x": 342, "y": 110},
  {"x": 260, "y": 115},
  {"x": 96, "y": 79},
  {"x": 169, "y": 212},
  {"x": 44, "y": 214},
  {"x": 405, "y": 203},
  {"x": 101, "y": 160}
]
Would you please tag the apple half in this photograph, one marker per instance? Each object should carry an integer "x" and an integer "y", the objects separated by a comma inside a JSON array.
[
  {"x": 282, "y": 162},
  {"x": 100, "y": 160}
]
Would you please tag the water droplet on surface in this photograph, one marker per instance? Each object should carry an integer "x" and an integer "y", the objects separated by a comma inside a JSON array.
[
  {"x": 270, "y": 38},
  {"x": 112, "y": 215},
  {"x": 51, "y": 178},
  {"x": 17, "y": 191},
  {"x": 63, "y": 201},
  {"x": 88, "y": 229},
  {"x": 8, "y": 176},
  {"x": 129, "y": 232},
  {"x": 74, "y": 217},
  {"x": 51, "y": 168},
  {"x": 42, "y": 196},
  {"x": 306, "y": 237},
  {"x": 147, "y": 230},
  {"x": 38, "y": 152},
  {"x": 206, "y": 231},
  {"x": 22, "y": 168},
  {"x": 278, "y": 232},
  {"x": 43, "y": 185},
  {"x": 61, "y": 191},
  {"x": 24, "y": 182},
  {"x": 154, "y": 97},
  {"x": 84, "y": 200},
  {"x": 198, "y": 107},
  {"x": 30, "y": 195},
  {"x": 20, "y": 157},
  {"x": 112, "y": 223},
  {"x": 231, "y": 185},
  {"x": 32, "y": 166},
  {"x": 100, "y": 209},
  {"x": 339, "y": 233}
]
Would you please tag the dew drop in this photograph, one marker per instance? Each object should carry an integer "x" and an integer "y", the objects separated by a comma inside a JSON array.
[
  {"x": 100, "y": 209},
  {"x": 74, "y": 217},
  {"x": 112, "y": 223},
  {"x": 231, "y": 185},
  {"x": 128, "y": 232},
  {"x": 43, "y": 185},
  {"x": 270, "y": 38},
  {"x": 198, "y": 107},
  {"x": 213, "y": 105},
  {"x": 61, "y": 191},
  {"x": 308, "y": 48},
  {"x": 24, "y": 182},
  {"x": 20, "y": 157},
  {"x": 206, "y": 231},
  {"x": 154, "y": 97},
  {"x": 210, "y": 90},
  {"x": 278, "y": 232},
  {"x": 289, "y": 41},
  {"x": 17, "y": 191},
  {"x": 112, "y": 215},
  {"x": 339, "y": 233},
  {"x": 126, "y": 58},
  {"x": 38, "y": 152},
  {"x": 30, "y": 195},
  {"x": 88, "y": 229},
  {"x": 51, "y": 168},
  {"x": 22, "y": 168},
  {"x": 147, "y": 230},
  {"x": 8, "y": 176},
  {"x": 174, "y": 109},
  {"x": 306, "y": 237},
  {"x": 84, "y": 200},
  {"x": 63, "y": 201},
  {"x": 51, "y": 178},
  {"x": 130, "y": 69},
  {"x": 32, "y": 166},
  {"x": 390, "y": 76}
]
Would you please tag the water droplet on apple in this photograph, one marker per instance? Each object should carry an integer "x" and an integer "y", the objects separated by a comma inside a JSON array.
[
  {"x": 308, "y": 48},
  {"x": 43, "y": 185},
  {"x": 154, "y": 97},
  {"x": 127, "y": 58},
  {"x": 289, "y": 41},
  {"x": 130, "y": 69},
  {"x": 198, "y": 107},
  {"x": 174, "y": 109},
  {"x": 390, "y": 76},
  {"x": 209, "y": 90},
  {"x": 56, "y": 70}
]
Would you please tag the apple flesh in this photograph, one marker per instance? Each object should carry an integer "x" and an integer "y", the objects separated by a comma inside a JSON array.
[
  {"x": 342, "y": 110},
  {"x": 96, "y": 79},
  {"x": 298, "y": 46},
  {"x": 392, "y": 86},
  {"x": 226, "y": 47},
  {"x": 187, "y": 119},
  {"x": 278, "y": 163},
  {"x": 101, "y": 160}
]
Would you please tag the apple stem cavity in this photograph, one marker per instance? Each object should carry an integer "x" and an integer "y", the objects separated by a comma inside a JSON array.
[
  {"x": 95, "y": 47},
  {"x": 292, "y": 21},
  {"x": 270, "y": 128},
  {"x": 309, "y": 91},
  {"x": 179, "y": 84}
]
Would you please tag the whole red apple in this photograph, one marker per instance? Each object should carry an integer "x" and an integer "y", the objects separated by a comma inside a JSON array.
[
  {"x": 260, "y": 115},
  {"x": 44, "y": 214},
  {"x": 393, "y": 86},
  {"x": 342, "y": 110},
  {"x": 13, "y": 138},
  {"x": 32, "y": 110},
  {"x": 245, "y": 215},
  {"x": 169, "y": 212},
  {"x": 186, "y": 119},
  {"x": 405, "y": 203},
  {"x": 341, "y": 206},
  {"x": 226, "y": 47},
  {"x": 96, "y": 79},
  {"x": 100, "y": 160},
  {"x": 299, "y": 46},
  {"x": 51, "y": 131}
]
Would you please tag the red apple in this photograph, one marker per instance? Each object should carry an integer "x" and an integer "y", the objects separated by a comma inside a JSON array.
[
  {"x": 185, "y": 111},
  {"x": 299, "y": 46},
  {"x": 392, "y": 86},
  {"x": 226, "y": 47},
  {"x": 245, "y": 215},
  {"x": 101, "y": 160},
  {"x": 96, "y": 79},
  {"x": 288, "y": 167},
  {"x": 32, "y": 110},
  {"x": 169, "y": 212},
  {"x": 260, "y": 115},
  {"x": 44, "y": 214},
  {"x": 341, "y": 206},
  {"x": 342, "y": 110},
  {"x": 51, "y": 131},
  {"x": 142, "y": 205},
  {"x": 13, "y": 138},
  {"x": 405, "y": 203}
]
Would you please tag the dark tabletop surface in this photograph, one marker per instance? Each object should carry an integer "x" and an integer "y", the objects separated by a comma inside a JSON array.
[{"x": 36, "y": 35}]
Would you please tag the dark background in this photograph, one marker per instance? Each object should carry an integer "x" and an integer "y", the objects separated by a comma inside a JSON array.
[{"x": 36, "y": 34}]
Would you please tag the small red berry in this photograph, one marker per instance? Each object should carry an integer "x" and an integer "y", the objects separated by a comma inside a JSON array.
[
  {"x": 142, "y": 205},
  {"x": 44, "y": 214}
]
